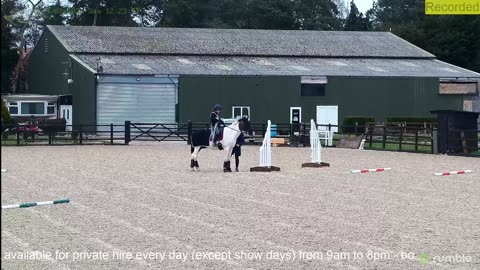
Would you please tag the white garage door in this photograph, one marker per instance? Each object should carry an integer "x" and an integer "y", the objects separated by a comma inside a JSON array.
[{"x": 136, "y": 99}]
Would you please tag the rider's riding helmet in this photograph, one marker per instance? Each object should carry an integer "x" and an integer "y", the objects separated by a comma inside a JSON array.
[{"x": 217, "y": 107}]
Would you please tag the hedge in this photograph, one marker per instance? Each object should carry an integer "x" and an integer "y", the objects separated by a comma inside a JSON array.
[{"x": 349, "y": 123}]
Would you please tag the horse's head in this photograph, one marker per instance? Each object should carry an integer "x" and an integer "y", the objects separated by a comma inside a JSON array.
[{"x": 244, "y": 125}]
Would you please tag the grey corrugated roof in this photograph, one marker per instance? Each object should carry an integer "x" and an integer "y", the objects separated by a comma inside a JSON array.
[
  {"x": 275, "y": 66},
  {"x": 188, "y": 41}
]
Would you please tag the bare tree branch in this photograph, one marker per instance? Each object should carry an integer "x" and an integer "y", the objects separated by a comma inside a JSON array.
[{"x": 27, "y": 23}]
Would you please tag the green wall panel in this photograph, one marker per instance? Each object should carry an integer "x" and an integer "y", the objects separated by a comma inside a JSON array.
[
  {"x": 83, "y": 95},
  {"x": 45, "y": 75},
  {"x": 45, "y": 67},
  {"x": 272, "y": 97}
]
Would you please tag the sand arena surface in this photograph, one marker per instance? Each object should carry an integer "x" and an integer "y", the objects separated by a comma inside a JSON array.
[{"x": 140, "y": 207}]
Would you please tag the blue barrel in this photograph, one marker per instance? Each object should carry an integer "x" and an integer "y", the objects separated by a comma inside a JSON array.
[{"x": 273, "y": 130}]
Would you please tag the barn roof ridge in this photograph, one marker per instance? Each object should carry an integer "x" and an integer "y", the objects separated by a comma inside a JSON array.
[{"x": 234, "y": 42}]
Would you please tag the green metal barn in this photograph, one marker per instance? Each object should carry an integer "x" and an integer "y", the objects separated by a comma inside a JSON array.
[{"x": 168, "y": 75}]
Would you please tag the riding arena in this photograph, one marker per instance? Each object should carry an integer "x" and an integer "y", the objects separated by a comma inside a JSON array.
[{"x": 143, "y": 207}]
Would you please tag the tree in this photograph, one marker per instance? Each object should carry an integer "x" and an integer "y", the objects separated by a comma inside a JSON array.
[
  {"x": 390, "y": 13},
  {"x": 342, "y": 8},
  {"x": 102, "y": 12},
  {"x": 149, "y": 12},
  {"x": 9, "y": 39},
  {"x": 27, "y": 24},
  {"x": 317, "y": 15},
  {"x": 356, "y": 21},
  {"x": 271, "y": 14},
  {"x": 453, "y": 39}
]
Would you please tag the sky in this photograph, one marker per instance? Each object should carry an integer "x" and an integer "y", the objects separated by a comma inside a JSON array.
[{"x": 363, "y": 5}]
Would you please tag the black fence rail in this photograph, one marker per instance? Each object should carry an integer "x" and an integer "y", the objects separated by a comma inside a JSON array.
[
  {"x": 156, "y": 132},
  {"x": 65, "y": 135},
  {"x": 411, "y": 138},
  {"x": 401, "y": 138}
]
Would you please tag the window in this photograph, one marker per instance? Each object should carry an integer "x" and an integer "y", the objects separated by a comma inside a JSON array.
[
  {"x": 313, "y": 90},
  {"x": 240, "y": 112},
  {"x": 13, "y": 107},
  {"x": 32, "y": 107},
  {"x": 51, "y": 108},
  {"x": 313, "y": 86}
]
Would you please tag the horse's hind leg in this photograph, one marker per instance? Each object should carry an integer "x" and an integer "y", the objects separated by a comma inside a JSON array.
[{"x": 193, "y": 161}]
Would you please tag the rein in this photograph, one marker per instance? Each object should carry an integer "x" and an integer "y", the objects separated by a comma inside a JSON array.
[{"x": 233, "y": 129}]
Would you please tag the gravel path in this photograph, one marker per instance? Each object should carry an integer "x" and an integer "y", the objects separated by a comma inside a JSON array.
[{"x": 140, "y": 207}]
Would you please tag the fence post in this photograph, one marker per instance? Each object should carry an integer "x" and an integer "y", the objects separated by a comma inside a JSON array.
[
  {"x": 371, "y": 135},
  {"x": 189, "y": 128},
  {"x": 111, "y": 133},
  {"x": 127, "y": 132},
  {"x": 401, "y": 139},
  {"x": 80, "y": 133},
  {"x": 356, "y": 128},
  {"x": 18, "y": 135},
  {"x": 330, "y": 135},
  {"x": 416, "y": 140},
  {"x": 464, "y": 142},
  {"x": 434, "y": 140},
  {"x": 384, "y": 137}
]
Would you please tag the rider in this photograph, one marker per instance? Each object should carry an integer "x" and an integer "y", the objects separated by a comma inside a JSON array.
[{"x": 216, "y": 123}]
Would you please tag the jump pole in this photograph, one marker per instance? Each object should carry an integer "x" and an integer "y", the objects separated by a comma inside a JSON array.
[
  {"x": 265, "y": 155},
  {"x": 453, "y": 172},
  {"x": 30, "y": 204},
  {"x": 316, "y": 149},
  {"x": 371, "y": 170},
  {"x": 4, "y": 170}
]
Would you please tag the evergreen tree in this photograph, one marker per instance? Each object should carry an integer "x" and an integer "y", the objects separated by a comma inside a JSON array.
[{"x": 356, "y": 21}]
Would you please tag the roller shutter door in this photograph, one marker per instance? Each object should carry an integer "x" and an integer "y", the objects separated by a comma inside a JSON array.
[{"x": 139, "y": 100}]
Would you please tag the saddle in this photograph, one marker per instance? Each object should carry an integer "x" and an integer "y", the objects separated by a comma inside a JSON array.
[{"x": 218, "y": 137}]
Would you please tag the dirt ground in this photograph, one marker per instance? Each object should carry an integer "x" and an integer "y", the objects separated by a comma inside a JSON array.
[{"x": 141, "y": 207}]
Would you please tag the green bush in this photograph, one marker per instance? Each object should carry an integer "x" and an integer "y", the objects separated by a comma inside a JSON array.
[
  {"x": 349, "y": 123},
  {"x": 7, "y": 120}
]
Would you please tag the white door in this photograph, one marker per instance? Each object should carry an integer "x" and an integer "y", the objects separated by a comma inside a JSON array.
[
  {"x": 66, "y": 112},
  {"x": 327, "y": 115}
]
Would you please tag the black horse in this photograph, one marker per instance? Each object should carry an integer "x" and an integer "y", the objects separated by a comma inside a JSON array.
[{"x": 201, "y": 139}]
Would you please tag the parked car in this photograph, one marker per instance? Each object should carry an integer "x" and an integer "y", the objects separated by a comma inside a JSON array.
[{"x": 27, "y": 127}]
